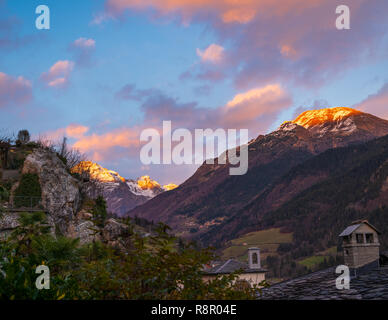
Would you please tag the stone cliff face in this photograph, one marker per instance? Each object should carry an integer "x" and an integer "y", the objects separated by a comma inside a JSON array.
[
  {"x": 60, "y": 191},
  {"x": 61, "y": 200}
]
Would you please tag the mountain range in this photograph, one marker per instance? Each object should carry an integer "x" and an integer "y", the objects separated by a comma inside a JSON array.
[
  {"x": 310, "y": 177},
  {"x": 120, "y": 194}
]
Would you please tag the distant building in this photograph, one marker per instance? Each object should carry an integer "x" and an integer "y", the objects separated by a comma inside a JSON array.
[
  {"x": 251, "y": 272},
  {"x": 368, "y": 271},
  {"x": 361, "y": 245}
]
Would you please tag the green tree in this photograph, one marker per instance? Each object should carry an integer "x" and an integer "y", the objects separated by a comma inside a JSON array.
[
  {"x": 20, "y": 258},
  {"x": 150, "y": 268},
  {"x": 29, "y": 192},
  {"x": 99, "y": 211}
]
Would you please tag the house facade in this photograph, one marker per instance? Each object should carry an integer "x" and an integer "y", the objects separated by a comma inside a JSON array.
[{"x": 251, "y": 272}]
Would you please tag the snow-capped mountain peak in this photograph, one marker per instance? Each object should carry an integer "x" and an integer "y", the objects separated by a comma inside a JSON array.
[{"x": 120, "y": 194}]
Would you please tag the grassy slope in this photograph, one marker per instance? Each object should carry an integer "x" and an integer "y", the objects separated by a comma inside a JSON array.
[
  {"x": 314, "y": 260},
  {"x": 267, "y": 240}
]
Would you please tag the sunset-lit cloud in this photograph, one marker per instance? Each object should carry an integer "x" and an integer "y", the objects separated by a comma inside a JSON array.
[
  {"x": 71, "y": 131},
  {"x": 85, "y": 43},
  {"x": 14, "y": 91},
  {"x": 288, "y": 51},
  {"x": 266, "y": 93},
  {"x": 213, "y": 53},
  {"x": 59, "y": 73},
  {"x": 256, "y": 108},
  {"x": 103, "y": 143},
  {"x": 272, "y": 41},
  {"x": 97, "y": 146},
  {"x": 227, "y": 11},
  {"x": 76, "y": 131},
  {"x": 376, "y": 104},
  {"x": 82, "y": 50}
]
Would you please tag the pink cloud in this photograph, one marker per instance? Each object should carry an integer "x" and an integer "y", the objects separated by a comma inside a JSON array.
[
  {"x": 376, "y": 104},
  {"x": 71, "y": 131},
  {"x": 276, "y": 41},
  {"x": 59, "y": 73},
  {"x": 84, "y": 43},
  {"x": 109, "y": 145},
  {"x": 82, "y": 50},
  {"x": 76, "y": 131},
  {"x": 213, "y": 53},
  {"x": 254, "y": 109},
  {"x": 125, "y": 138},
  {"x": 14, "y": 91},
  {"x": 227, "y": 11}
]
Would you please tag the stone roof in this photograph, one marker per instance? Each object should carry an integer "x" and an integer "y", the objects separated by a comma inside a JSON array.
[
  {"x": 354, "y": 226},
  {"x": 349, "y": 230},
  {"x": 229, "y": 266},
  {"x": 320, "y": 285}
]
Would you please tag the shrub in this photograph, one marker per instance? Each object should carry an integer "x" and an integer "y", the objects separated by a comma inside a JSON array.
[
  {"x": 29, "y": 192},
  {"x": 4, "y": 194},
  {"x": 69, "y": 156},
  {"x": 99, "y": 211},
  {"x": 152, "y": 268}
]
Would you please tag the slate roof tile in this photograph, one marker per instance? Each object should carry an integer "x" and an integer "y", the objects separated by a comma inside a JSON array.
[{"x": 321, "y": 285}]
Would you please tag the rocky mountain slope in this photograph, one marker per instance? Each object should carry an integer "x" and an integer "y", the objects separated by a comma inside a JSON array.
[
  {"x": 316, "y": 198},
  {"x": 120, "y": 194},
  {"x": 209, "y": 203},
  {"x": 64, "y": 199}
]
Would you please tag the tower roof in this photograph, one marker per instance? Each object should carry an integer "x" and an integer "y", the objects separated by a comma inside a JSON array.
[{"x": 355, "y": 225}]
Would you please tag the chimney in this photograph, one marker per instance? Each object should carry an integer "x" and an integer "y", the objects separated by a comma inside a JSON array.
[
  {"x": 254, "y": 258},
  {"x": 361, "y": 246}
]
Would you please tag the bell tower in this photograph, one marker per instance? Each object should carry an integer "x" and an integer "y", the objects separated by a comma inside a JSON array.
[{"x": 254, "y": 258}]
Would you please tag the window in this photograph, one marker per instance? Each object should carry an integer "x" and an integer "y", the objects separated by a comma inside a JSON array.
[
  {"x": 255, "y": 259},
  {"x": 360, "y": 238},
  {"x": 347, "y": 239},
  {"x": 346, "y": 252},
  {"x": 369, "y": 238}
]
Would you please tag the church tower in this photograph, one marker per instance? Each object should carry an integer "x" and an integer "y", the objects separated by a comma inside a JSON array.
[{"x": 254, "y": 258}]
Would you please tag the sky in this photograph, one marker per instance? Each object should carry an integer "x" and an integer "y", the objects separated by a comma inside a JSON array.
[{"x": 108, "y": 69}]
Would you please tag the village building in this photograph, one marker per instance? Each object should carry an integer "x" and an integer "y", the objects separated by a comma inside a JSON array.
[
  {"x": 251, "y": 273},
  {"x": 368, "y": 272},
  {"x": 361, "y": 245}
]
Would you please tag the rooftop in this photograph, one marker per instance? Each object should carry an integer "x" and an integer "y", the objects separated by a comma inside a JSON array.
[
  {"x": 354, "y": 226},
  {"x": 229, "y": 266},
  {"x": 320, "y": 285}
]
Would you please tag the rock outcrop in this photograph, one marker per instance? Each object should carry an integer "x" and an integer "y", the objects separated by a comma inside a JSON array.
[
  {"x": 113, "y": 231},
  {"x": 62, "y": 199},
  {"x": 8, "y": 222},
  {"x": 61, "y": 196},
  {"x": 83, "y": 227}
]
